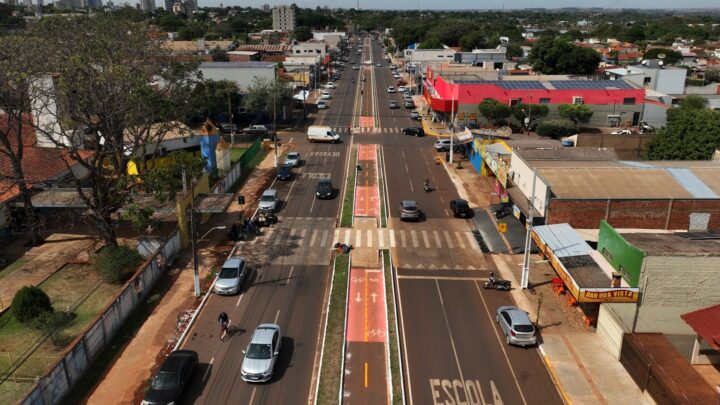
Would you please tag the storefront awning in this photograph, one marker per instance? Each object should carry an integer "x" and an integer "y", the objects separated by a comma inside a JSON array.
[{"x": 706, "y": 323}]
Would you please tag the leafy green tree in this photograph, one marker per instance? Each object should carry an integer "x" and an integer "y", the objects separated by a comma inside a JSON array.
[
  {"x": 573, "y": 35},
  {"x": 302, "y": 34},
  {"x": 219, "y": 55},
  {"x": 712, "y": 75},
  {"x": 532, "y": 111},
  {"x": 558, "y": 56},
  {"x": 29, "y": 303},
  {"x": 164, "y": 181},
  {"x": 494, "y": 110},
  {"x": 259, "y": 97},
  {"x": 53, "y": 324},
  {"x": 117, "y": 263},
  {"x": 556, "y": 128},
  {"x": 694, "y": 103},
  {"x": 575, "y": 112},
  {"x": 431, "y": 43},
  {"x": 239, "y": 25},
  {"x": 690, "y": 134},
  {"x": 670, "y": 57},
  {"x": 211, "y": 98},
  {"x": 514, "y": 51},
  {"x": 473, "y": 40},
  {"x": 170, "y": 22}
]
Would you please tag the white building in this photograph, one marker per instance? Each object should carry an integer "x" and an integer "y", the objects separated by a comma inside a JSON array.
[
  {"x": 283, "y": 18},
  {"x": 653, "y": 76},
  {"x": 426, "y": 56},
  {"x": 147, "y": 5},
  {"x": 242, "y": 73},
  {"x": 318, "y": 49}
]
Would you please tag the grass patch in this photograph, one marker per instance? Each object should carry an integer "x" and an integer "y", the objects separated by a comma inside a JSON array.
[
  {"x": 12, "y": 268},
  {"x": 236, "y": 154},
  {"x": 397, "y": 397},
  {"x": 348, "y": 202},
  {"x": 381, "y": 184},
  {"x": 334, "y": 335},
  {"x": 11, "y": 392}
]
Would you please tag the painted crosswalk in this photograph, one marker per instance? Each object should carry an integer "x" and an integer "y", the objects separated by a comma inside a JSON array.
[
  {"x": 368, "y": 130},
  {"x": 411, "y": 239}
]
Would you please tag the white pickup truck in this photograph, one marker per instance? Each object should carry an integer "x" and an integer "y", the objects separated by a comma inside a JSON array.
[{"x": 317, "y": 133}]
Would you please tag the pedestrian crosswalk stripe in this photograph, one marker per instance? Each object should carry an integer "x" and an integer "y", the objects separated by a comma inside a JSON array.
[
  {"x": 414, "y": 239},
  {"x": 324, "y": 238},
  {"x": 437, "y": 238},
  {"x": 381, "y": 238},
  {"x": 369, "y": 238},
  {"x": 460, "y": 241},
  {"x": 358, "y": 237},
  {"x": 312, "y": 237},
  {"x": 392, "y": 238},
  {"x": 347, "y": 237},
  {"x": 471, "y": 240},
  {"x": 403, "y": 240},
  {"x": 426, "y": 240},
  {"x": 448, "y": 239}
]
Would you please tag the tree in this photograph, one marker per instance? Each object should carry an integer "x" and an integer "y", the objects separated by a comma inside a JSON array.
[
  {"x": 29, "y": 303},
  {"x": 556, "y": 128},
  {"x": 302, "y": 34},
  {"x": 16, "y": 79},
  {"x": 514, "y": 51},
  {"x": 473, "y": 40},
  {"x": 494, "y": 110},
  {"x": 259, "y": 98},
  {"x": 211, "y": 98},
  {"x": 431, "y": 43},
  {"x": 694, "y": 103},
  {"x": 532, "y": 111},
  {"x": 117, "y": 263},
  {"x": 219, "y": 55},
  {"x": 170, "y": 22},
  {"x": 558, "y": 56},
  {"x": 691, "y": 133},
  {"x": 575, "y": 112},
  {"x": 121, "y": 93},
  {"x": 712, "y": 75},
  {"x": 670, "y": 57}
]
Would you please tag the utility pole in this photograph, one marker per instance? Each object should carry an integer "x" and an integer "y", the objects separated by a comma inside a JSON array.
[
  {"x": 193, "y": 241},
  {"x": 452, "y": 123},
  {"x": 274, "y": 135},
  {"x": 230, "y": 120},
  {"x": 524, "y": 279}
]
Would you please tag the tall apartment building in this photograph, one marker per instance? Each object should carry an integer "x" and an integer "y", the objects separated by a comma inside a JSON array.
[
  {"x": 283, "y": 18},
  {"x": 147, "y": 5},
  {"x": 265, "y": 7}
]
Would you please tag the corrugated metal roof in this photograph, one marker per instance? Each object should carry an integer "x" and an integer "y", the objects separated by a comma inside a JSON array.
[
  {"x": 706, "y": 323},
  {"x": 567, "y": 153},
  {"x": 692, "y": 183},
  {"x": 497, "y": 149},
  {"x": 563, "y": 240}
]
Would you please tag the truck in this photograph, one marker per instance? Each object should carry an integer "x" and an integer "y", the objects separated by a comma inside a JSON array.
[{"x": 318, "y": 133}]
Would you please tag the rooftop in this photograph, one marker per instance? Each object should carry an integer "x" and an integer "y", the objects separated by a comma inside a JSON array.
[
  {"x": 706, "y": 323},
  {"x": 240, "y": 64},
  {"x": 566, "y": 154},
  {"x": 670, "y": 244}
]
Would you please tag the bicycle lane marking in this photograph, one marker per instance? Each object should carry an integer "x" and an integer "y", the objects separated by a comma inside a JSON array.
[{"x": 367, "y": 313}]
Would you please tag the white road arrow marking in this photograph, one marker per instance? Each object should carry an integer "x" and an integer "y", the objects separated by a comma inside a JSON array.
[
  {"x": 373, "y": 295},
  {"x": 358, "y": 299}
]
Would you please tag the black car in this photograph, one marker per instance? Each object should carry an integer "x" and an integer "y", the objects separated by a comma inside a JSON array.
[
  {"x": 414, "y": 131},
  {"x": 461, "y": 209},
  {"x": 284, "y": 172},
  {"x": 175, "y": 373},
  {"x": 324, "y": 189}
]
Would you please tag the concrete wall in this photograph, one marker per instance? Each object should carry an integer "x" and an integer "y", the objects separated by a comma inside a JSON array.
[
  {"x": 668, "y": 81},
  {"x": 628, "y": 147},
  {"x": 242, "y": 75},
  {"x": 429, "y": 55},
  {"x": 643, "y": 214},
  {"x": 611, "y": 328},
  {"x": 309, "y": 48},
  {"x": 522, "y": 175},
  {"x": 655, "y": 115}
]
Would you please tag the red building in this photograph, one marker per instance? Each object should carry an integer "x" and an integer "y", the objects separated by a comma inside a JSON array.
[{"x": 615, "y": 102}]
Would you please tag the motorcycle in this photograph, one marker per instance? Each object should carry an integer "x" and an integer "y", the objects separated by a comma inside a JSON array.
[
  {"x": 504, "y": 211},
  {"x": 426, "y": 186},
  {"x": 497, "y": 284}
]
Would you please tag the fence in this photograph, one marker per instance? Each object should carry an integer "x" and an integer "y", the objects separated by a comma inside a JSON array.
[
  {"x": 69, "y": 369},
  {"x": 236, "y": 171},
  {"x": 30, "y": 368}
]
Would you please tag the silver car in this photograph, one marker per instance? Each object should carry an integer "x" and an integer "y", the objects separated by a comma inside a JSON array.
[
  {"x": 268, "y": 201},
  {"x": 262, "y": 353},
  {"x": 292, "y": 159},
  {"x": 516, "y": 326},
  {"x": 231, "y": 277},
  {"x": 409, "y": 210}
]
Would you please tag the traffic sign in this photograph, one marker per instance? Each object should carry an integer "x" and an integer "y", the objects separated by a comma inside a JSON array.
[{"x": 502, "y": 227}]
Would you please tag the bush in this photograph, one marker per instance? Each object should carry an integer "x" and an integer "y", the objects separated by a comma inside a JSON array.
[
  {"x": 29, "y": 303},
  {"x": 53, "y": 324},
  {"x": 117, "y": 263},
  {"x": 556, "y": 128}
]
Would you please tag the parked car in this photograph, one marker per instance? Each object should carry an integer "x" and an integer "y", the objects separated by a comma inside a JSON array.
[
  {"x": 393, "y": 104},
  {"x": 622, "y": 132},
  {"x": 461, "y": 208},
  {"x": 228, "y": 128},
  {"x": 256, "y": 129},
  {"x": 171, "y": 379},
  {"x": 231, "y": 277},
  {"x": 442, "y": 145},
  {"x": 330, "y": 85},
  {"x": 324, "y": 189},
  {"x": 356, "y": 67},
  {"x": 292, "y": 159},
  {"x": 409, "y": 104},
  {"x": 321, "y": 105},
  {"x": 414, "y": 115},
  {"x": 401, "y": 89},
  {"x": 414, "y": 131},
  {"x": 378, "y": 65},
  {"x": 393, "y": 66},
  {"x": 326, "y": 95},
  {"x": 285, "y": 172},
  {"x": 261, "y": 354},
  {"x": 391, "y": 89},
  {"x": 268, "y": 200},
  {"x": 409, "y": 210},
  {"x": 516, "y": 326},
  {"x": 368, "y": 62}
]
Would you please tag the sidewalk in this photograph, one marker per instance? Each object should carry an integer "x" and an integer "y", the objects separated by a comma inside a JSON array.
[
  {"x": 133, "y": 367},
  {"x": 581, "y": 366}
]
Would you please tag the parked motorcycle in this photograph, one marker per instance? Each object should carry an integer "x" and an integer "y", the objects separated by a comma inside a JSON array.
[
  {"x": 426, "y": 186},
  {"x": 504, "y": 211},
  {"x": 497, "y": 284}
]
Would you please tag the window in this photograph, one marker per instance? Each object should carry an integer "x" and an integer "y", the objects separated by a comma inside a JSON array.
[
  {"x": 647, "y": 80},
  {"x": 515, "y": 101},
  {"x": 629, "y": 101},
  {"x": 544, "y": 101},
  {"x": 577, "y": 100}
]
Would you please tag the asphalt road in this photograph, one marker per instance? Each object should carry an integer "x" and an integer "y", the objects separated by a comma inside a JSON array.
[
  {"x": 453, "y": 351},
  {"x": 290, "y": 266}
]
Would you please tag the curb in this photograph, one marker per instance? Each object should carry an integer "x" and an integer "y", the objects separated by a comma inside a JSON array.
[
  {"x": 553, "y": 376},
  {"x": 430, "y": 131}
]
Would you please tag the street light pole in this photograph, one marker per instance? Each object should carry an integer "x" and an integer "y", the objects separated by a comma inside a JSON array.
[
  {"x": 230, "y": 121},
  {"x": 193, "y": 241},
  {"x": 524, "y": 279},
  {"x": 275, "y": 116},
  {"x": 452, "y": 123}
]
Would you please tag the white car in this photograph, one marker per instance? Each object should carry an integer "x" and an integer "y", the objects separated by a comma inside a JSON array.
[
  {"x": 356, "y": 67},
  {"x": 622, "y": 132},
  {"x": 329, "y": 85},
  {"x": 292, "y": 159},
  {"x": 368, "y": 62},
  {"x": 261, "y": 354},
  {"x": 321, "y": 105},
  {"x": 401, "y": 89},
  {"x": 326, "y": 95},
  {"x": 231, "y": 277},
  {"x": 391, "y": 89}
]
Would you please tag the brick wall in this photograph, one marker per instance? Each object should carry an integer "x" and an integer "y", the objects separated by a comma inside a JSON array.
[{"x": 644, "y": 214}]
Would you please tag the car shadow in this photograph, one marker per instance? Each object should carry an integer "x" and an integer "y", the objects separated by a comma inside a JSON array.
[
  {"x": 284, "y": 361},
  {"x": 195, "y": 389}
]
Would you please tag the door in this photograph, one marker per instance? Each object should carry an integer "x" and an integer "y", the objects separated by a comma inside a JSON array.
[{"x": 636, "y": 119}]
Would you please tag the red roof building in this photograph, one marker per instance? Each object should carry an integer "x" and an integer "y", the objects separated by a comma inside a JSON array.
[{"x": 706, "y": 323}]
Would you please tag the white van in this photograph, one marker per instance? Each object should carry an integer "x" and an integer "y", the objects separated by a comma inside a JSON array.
[{"x": 317, "y": 133}]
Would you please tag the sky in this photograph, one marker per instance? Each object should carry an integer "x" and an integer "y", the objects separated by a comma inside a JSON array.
[{"x": 474, "y": 4}]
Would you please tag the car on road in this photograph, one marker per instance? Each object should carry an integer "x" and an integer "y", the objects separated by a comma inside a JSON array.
[
  {"x": 256, "y": 129},
  {"x": 268, "y": 200},
  {"x": 326, "y": 95},
  {"x": 378, "y": 65},
  {"x": 330, "y": 85},
  {"x": 393, "y": 66},
  {"x": 409, "y": 104},
  {"x": 414, "y": 131},
  {"x": 516, "y": 326},
  {"x": 261, "y": 354},
  {"x": 460, "y": 208},
  {"x": 231, "y": 277},
  {"x": 442, "y": 145},
  {"x": 292, "y": 159},
  {"x": 391, "y": 89},
  {"x": 368, "y": 62},
  {"x": 407, "y": 97},
  {"x": 355, "y": 67},
  {"x": 321, "y": 105},
  {"x": 228, "y": 128},
  {"x": 324, "y": 189},
  {"x": 401, "y": 89},
  {"x": 171, "y": 379},
  {"x": 393, "y": 104},
  {"x": 285, "y": 172},
  {"x": 409, "y": 210},
  {"x": 414, "y": 115}
]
